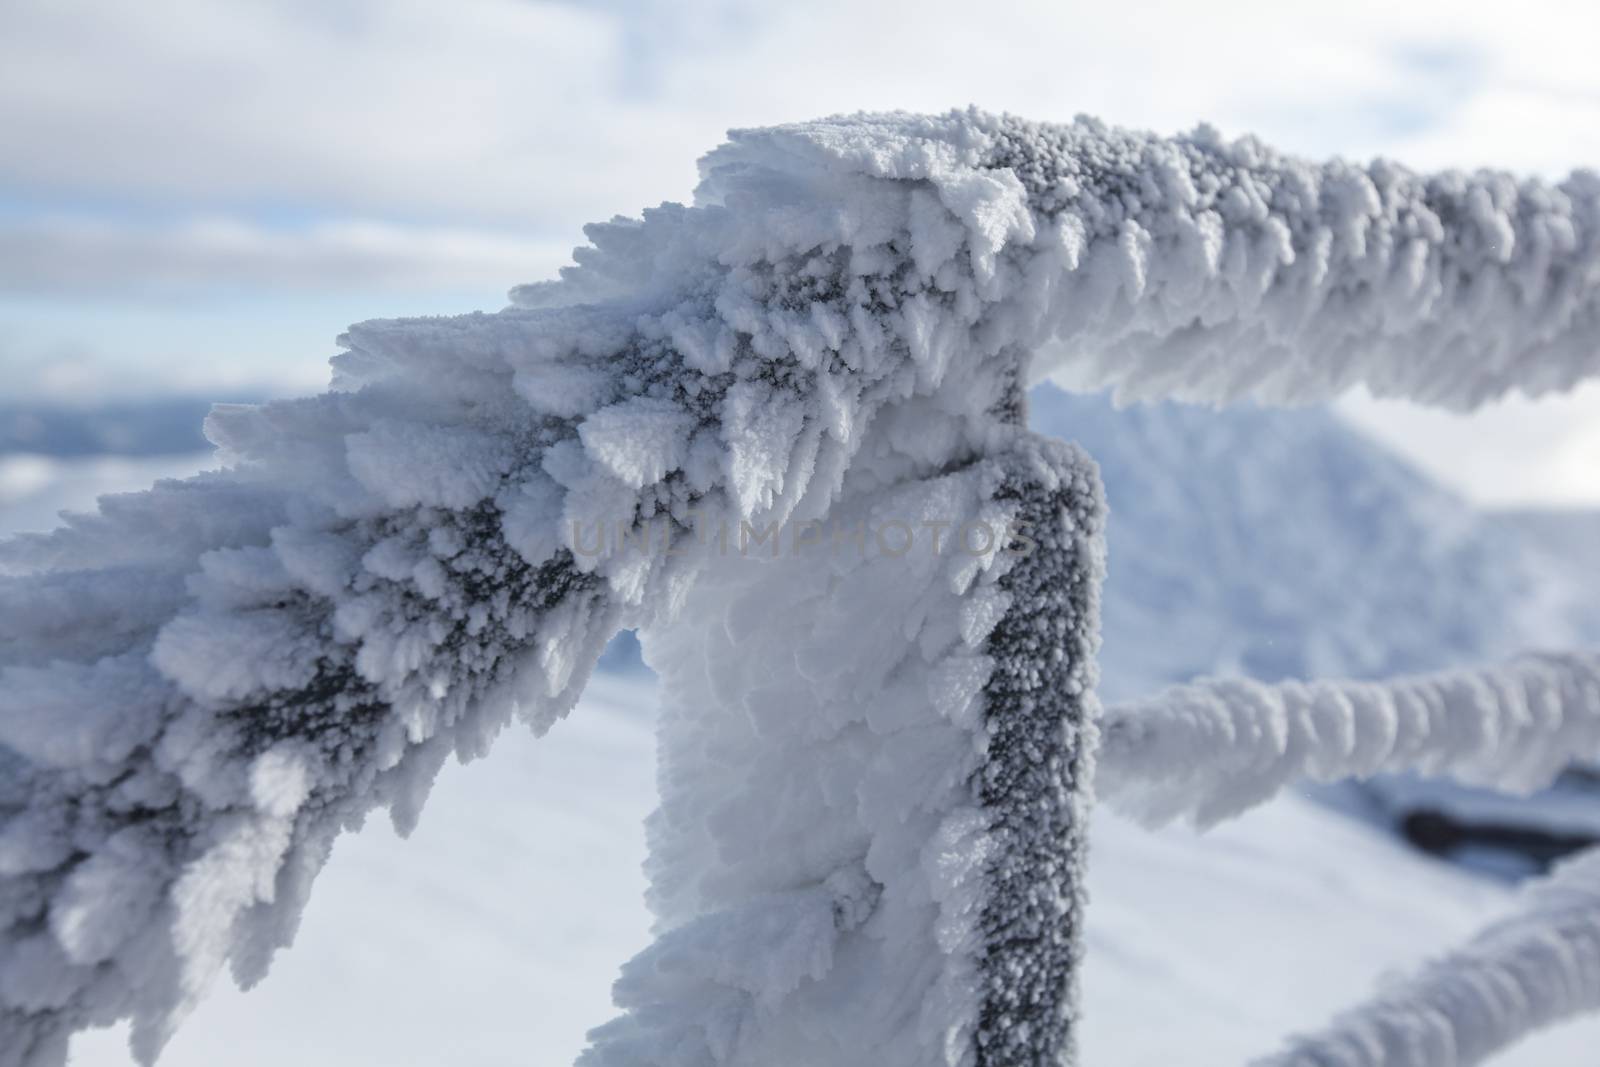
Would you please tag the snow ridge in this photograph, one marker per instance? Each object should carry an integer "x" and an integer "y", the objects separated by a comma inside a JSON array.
[{"x": 1211, "y": 750}]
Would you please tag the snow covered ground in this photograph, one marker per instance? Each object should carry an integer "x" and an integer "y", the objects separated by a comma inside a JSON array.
[{"x": 492, "y": 934}]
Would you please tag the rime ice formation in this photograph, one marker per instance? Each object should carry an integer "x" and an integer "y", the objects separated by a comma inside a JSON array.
[
  {"x": 874, "y": 772},
  {"x": 1537, "y": 966},
  {"x": 1211, "y": 750},
  {"x": 1197, "y": 269},
  {"x": 209, "y": 681}
]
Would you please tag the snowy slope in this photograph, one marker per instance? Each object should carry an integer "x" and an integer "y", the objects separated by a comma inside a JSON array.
[
  {"x": 1565, "y": 545},
  {"x": 1271, "y": 543},
  {"x": 1275, "y": 544}
]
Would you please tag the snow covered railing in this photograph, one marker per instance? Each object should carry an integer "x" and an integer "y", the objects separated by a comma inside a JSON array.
[
  {"x": 202, "y": 686},
  {"x": 1536, "y": 966},
  {"x": 1213, "y": 749},
  {"x": 875, "y": 770},
  {"x": 1198, "y": 269}
]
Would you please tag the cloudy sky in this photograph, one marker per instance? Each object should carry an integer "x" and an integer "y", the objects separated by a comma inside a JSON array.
[{"x": 200, "y": 195}]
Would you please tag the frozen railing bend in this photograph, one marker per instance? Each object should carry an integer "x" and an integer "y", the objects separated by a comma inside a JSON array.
[{"x": 876, "y": 746}]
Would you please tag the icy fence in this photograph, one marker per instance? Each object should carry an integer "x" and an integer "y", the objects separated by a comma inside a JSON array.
[
  {"x": 208, "y": 682},
  {"x": 874, "y": 771},
  {"x": 1211, "y": 750},
  {"x": 1537, "y": 966}
]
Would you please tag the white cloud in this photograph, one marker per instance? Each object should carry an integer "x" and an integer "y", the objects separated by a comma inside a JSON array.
[
  {"x": 477, "y": 109},
  {"x": 1514, "y": 453},
  {"x": 550, "y": 114},
  {"x": 67, "y": 256}
]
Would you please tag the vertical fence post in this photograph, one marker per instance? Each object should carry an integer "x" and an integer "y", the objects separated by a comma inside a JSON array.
[
  {"x": 875, "y": 780},
  {"x": 1040, "y": 716}
]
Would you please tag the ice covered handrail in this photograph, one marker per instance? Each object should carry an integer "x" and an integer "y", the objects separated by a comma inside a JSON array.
[
  {"x": 1213, "y": 749},
  {"x": 202, "y": 686},
  {"x": 1537, "y": 966},
  {"x": 1200, "y": 269}
]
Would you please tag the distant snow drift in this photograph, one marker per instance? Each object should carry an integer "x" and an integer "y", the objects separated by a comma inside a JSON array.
[{"x": 209, "y": 681}]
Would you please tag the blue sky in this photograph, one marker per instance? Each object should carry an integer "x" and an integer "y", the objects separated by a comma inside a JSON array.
[{"x": 200, "y": 195}]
